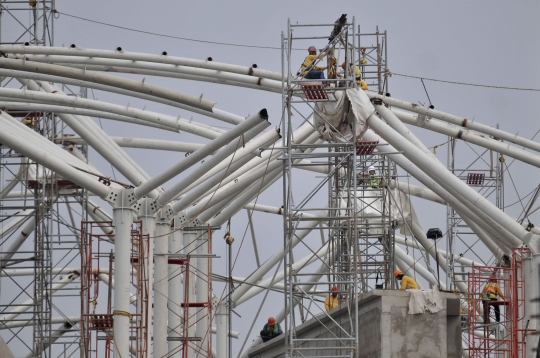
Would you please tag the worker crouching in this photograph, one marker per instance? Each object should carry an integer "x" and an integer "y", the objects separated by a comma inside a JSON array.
[
  {"x": 271, "y": 330},
  {"x": 406, "y": 281}
]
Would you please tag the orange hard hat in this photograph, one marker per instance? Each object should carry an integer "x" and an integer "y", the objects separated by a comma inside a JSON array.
[
  {"x": 492, "y": 278},
  {"x": 397, "y": 273},
  {"x": 334, "y": 288},
  {"x": 271, "y": 320},
  {"x": 312, "y": 49},
  {"x": 343, "y": 65}
]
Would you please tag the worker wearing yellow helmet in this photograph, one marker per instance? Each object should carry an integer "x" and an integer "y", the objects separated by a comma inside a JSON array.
[
  {"x": 358, "y": 75},
  {"x": 406, "y": 281}
]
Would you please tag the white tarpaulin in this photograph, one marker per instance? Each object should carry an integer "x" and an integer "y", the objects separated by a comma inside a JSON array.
[
  {"x": 334, "y": 120},
  {"x": 423, "y": 301}
]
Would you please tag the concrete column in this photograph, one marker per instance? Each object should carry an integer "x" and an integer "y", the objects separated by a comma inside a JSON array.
[
  {"x": 123, "y": 221},
  {"x": 161, "y": 288}
]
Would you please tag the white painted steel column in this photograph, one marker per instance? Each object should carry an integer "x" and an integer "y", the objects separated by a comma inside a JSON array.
[
  {"x": 175, "y": 293},
  {"x": 203, "y": 319},
  {"x": 222, "y": 327},
  {"x": 161, "y": 287},
  {"x": 190, "y": 247},
  {"x": 148, "y": 220},
  {"x": 123, "y": 221}
]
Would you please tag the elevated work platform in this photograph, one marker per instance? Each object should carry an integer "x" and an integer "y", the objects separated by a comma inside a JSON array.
[{"x": 386, "y": 329}]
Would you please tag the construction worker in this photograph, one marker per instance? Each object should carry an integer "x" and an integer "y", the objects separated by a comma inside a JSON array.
[
  {"x": 332, "y": 301},
  {"x": 271, "y": 330},
  {"x": 374, "y": 178},
  {"x": 358, "y": 73},
  {"x": 312, "y": 72},
  {"x": 406, "y": 281},
  {"x": 489, "y": 294}
]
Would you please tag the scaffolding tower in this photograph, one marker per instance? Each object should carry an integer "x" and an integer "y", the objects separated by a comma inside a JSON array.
[
  {"x": 40, "y": 229},
  {"x": 355, "y": 211}
]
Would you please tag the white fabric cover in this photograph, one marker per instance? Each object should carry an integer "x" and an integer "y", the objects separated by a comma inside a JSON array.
[
  {"x": 333, "y": 120},
  {"x": 423, "y": 301}
]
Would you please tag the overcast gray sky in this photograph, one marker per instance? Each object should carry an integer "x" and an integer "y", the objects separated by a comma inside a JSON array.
[{"x": 484, "y": 42}]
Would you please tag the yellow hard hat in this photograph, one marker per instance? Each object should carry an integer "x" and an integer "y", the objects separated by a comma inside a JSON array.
[{"x": 363, "y": 61}]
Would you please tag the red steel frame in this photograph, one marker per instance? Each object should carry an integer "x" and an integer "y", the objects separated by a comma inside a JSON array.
[
  {"x": 507, "y": 339},
  {"x": 93, "y": 256}
]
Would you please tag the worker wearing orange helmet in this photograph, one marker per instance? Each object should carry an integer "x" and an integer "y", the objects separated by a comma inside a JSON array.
[
  {"x": 406, "y": 281},
  {"x": 332, "y": 301},
  {"x": 312, "y": 71},
  {"x": 358, "y": 75},
  {"x": 489, "y": 294},
  {"x": 271, "y": 330}
]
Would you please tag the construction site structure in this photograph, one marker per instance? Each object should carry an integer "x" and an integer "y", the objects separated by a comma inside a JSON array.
[
  {"x": 505, "y": 334},
  {"x": 357, "y": 251}
]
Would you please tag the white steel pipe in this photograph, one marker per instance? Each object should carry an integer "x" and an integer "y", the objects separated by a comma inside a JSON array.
[
  {"x": 40, "y": 107},
  {"x": 117, "y": 65},
  {"x": 224, "y": 169},
  {"x": 161, "y": 289},
  {"x": 108, "y": 80},
  {"x": 30, "y": 322},
  {"x": 463, "y": 122},
  {"x": 201, "y": 153},
  {"x": 123, "y": 220},
  {"x": 28, "y": 148},
  {"x": 416, "y": 172},
  {"x": 142, "y": 143},
  {"x": 215, "y": 113},
  {"x": 417, "y": 191},
  {"x": 468, "y": 136},
  {"x": 217, "y": 158},
  {"x": 16, "y": 223},
  {"x": 450, "y": 182},
  {"x": 134, "y": 56}
]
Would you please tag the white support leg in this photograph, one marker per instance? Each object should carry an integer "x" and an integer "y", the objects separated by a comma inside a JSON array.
[
  {"x": 222, "y": 327},
  {"x": 189, "y": 245},
  {"x": 148, "y": 219},
  {"x": 175, "y": 294},
  {"x": 161, "y": 289},
  {"x": 203, "y": 319},
  {"x": 123, "y": 221}
]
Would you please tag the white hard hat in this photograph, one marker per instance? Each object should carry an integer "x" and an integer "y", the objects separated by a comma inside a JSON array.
[{"x": 371, "y": 167}]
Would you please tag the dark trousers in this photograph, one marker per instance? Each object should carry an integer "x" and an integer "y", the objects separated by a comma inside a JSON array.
[
  {"x": 315, "y": 75},
  {"x": 487, "y": 309}
]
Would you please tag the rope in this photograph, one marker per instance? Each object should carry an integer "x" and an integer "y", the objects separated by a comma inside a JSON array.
[
  {"x": 169, "y": 36},
  {"x": 388, "y": 73},
  {"x": 122, "y": 313}
]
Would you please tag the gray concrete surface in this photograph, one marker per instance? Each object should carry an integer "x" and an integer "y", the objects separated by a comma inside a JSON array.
[{"x": 386, "y": 330}]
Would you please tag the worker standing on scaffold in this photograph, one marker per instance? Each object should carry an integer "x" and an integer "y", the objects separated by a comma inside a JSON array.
[
  {"x": 489, "y": 294},
  {"x": 358, "y": 75},
  {"x": 312, "y": 72}
]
